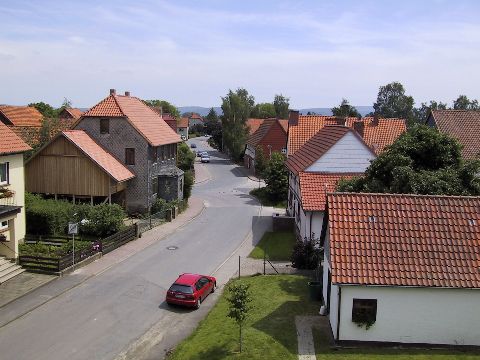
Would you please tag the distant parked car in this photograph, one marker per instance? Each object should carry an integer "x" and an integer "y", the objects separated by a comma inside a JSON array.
[
  {"x": 205, "y": 158},
  {"x": 184, "y": 138},
  {"x": 193, "y": 146},
  {"x": 190, "y": 290}
]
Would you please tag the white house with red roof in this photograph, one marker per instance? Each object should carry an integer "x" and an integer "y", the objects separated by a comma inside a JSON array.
[
  {"x": 402, "y": 268},
  {"x": 333, "y": 153},
  {"x": 12, "y": 199}
]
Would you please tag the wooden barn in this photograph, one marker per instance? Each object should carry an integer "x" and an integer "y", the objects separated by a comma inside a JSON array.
[{"x": 74, "y": 166}]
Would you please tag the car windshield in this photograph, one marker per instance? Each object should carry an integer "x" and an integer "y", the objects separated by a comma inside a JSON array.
[{"x": 184, "y": 289}]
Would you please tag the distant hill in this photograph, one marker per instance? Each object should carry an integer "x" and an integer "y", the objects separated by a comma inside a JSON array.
[
  {"x": 203, "y": 111},
  {"x": 363, "y": 110}
]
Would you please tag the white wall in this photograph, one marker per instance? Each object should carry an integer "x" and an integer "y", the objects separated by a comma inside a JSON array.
[
  {"x": 311, "y": 224},
  {"x": 414, "y": 315},
  {"x": 17, "y": 184},
  {"x": 250, "y": 151},
  {"x": 349, "y": 154}
]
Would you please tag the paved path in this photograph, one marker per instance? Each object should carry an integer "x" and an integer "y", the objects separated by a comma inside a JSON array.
[
  {"x": 22, "y": 284},
  {"x": 306, "y": 346}
]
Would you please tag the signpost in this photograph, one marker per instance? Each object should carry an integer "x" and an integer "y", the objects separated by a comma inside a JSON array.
[{"x": 73, "y": 230}]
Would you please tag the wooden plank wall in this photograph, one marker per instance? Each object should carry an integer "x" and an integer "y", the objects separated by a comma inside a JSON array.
[{"x": 61, "y": 168}]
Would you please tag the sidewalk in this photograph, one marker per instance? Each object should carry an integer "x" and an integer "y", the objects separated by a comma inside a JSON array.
[{"x": 26, "y": 283}]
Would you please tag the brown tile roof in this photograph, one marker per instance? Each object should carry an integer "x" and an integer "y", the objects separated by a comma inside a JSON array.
[
  {"x": 11, "y": 143},
  {"x": 463, "y": 125},
  {"x": 147, "y": 122},
  {"x": 21, "y": 115},
  {"x": 182, "y": 123},
  {"x": 255, "y": 138},
  {"x": 315, "y": 186},
  {"x": 317, "y": 146},
  {"x": 404, "y": 240},
  {"x": 375, "y": 136},
  {"x": 284, "y": 124},
  {"x": 74, "y": 112},
  {"x": 99, "y": 155},
  {"x": 196, "y": 116},
  {"x": 253, "y": 125}
]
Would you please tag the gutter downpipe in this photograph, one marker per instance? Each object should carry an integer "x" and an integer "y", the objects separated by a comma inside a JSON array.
[{"x": 338, "y": 314}]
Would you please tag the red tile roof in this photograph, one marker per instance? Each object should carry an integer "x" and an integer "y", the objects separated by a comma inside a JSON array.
[
  {"x": 21, "y": 115},
  {"x": 375, "y": 136},
  {"x": 463, "y": 125},
  {"x": 404, "y": 240},
  {"x": 99, "y": 155},
  {"x": 255, "y": 138},
  {"x": 182, "y": 123},
  {"x": 196, "y": 116},
  {"x": 74, "y": 112},
  {"x": 315, "y": 186},
  {"x": 317, "y": 146},
  {"x": 254, "y": 124},
  {"x": 11, "y": 143},
  {"x": 147, "y": 122},
  {"x": 284, "y": 124}
]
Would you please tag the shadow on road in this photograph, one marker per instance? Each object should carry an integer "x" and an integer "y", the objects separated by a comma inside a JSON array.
[{"x": 175, "y": 308}]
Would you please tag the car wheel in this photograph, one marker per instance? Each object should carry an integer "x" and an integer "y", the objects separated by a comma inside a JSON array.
[
  {"x": 213, "y": 288},
  {"x": 198, "y": 303}
]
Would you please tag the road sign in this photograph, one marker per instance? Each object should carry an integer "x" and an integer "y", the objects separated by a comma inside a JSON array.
[{"x": 72, "y": 228}]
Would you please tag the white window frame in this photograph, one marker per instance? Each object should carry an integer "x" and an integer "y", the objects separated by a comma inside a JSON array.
[
  {"x": 5, "y": 182},
  {"x": 2, "y": 226}
]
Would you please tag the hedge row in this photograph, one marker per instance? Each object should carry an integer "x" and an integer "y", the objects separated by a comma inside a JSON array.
[{"x": 51, "y": 217}]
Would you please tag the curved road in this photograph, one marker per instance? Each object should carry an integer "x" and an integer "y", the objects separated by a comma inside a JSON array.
[{"x": 105, "y": 315}]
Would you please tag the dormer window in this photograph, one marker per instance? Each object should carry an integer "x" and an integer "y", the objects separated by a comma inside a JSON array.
[{"x": 104, "y": 126}]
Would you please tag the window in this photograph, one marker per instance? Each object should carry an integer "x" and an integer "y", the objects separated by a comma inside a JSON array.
[
  {"x": 130, "y": 156},
  {"x": 364, "y": 311},
  {"x": 3, "y": 173},
  {"x": 104, "y": 126},
  {"x": 181, "y": 185},
  {"x": 155, "y": 185}
]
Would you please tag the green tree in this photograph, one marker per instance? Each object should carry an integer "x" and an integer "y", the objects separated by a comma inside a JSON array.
[
  {"x": 420, "y": 114},
  {"x": 464, "y": 103},
  {"x": 185, "y": 158},
  {"x": 421, "y": 161},
  {"x": 239, "y": 305},
  {"x": 276, "y": 177},
  {"x": 263, "y": 111},
  {"x": 236, "y": 107},
  {"x": 211, "y": 116},
  {"x": 45, "y": 109},
  {"x": 65, "y": 104},
  {"x": 281, "y": 104},
  {"x": 393, "y": 103},
  {"x": 212, "y": 123},
  {"x": 166, "y": 107},
  {"x": 260, "y": 161},
  {"x": 345, "y": 110}
]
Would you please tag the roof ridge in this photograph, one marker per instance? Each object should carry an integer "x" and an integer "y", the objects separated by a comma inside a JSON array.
[
  {"x": 118, "y": 104},
  {"x": 405, "y": 195}
]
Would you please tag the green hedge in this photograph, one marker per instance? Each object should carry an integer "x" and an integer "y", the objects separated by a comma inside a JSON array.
[
  {"x": 51, "y": 217},
  {"x": 52, "y": 250}
]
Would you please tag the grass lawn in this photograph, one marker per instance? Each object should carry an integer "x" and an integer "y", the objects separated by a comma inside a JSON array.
[
  {"x": 278, "y": 246},
  {"x": 262, "y": 196},
  {"x": 324, "y": 352},
  {"x": 270, "y": 331}
]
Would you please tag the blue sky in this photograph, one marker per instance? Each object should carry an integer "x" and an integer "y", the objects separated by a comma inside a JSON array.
[{"x": 193, "y": 52}]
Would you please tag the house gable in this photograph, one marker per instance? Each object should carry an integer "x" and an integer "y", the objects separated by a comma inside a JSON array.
[{"x": 349, "y": 155}]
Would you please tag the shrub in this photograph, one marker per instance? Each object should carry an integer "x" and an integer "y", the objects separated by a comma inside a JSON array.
[
  {"x": 304, "y": 255},
  {"x": 50, "y": 217},
  {"x": 101, "y": 220},
  {"x": 187, "y": 184}
]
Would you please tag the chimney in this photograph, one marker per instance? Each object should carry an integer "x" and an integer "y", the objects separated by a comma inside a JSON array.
[
  {"x": 293, "y": 116},
  {"x": 359, "y": 127},
  {"x": 127, "y": 93},
  {"x": 375, "y": 120},
  {"x": 340, "y": 120},
  {"x": 113, "y": 92}
]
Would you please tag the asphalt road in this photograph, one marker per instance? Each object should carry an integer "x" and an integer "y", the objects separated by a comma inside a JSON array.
[{"x": 121, "y": 312}]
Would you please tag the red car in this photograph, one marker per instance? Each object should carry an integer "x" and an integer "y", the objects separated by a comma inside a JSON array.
[{"x": 190, "y": 290}]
